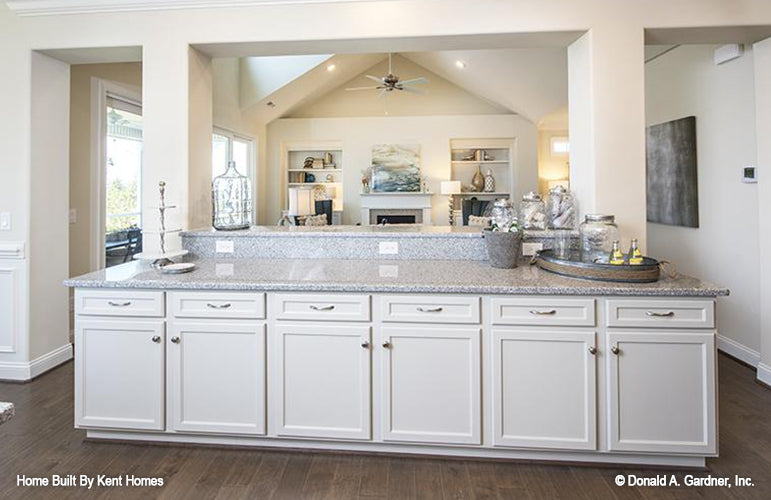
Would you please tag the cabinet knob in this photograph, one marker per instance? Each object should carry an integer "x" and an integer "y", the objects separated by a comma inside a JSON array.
[
  {"x": 365, "y": 344},
  {"x": 615, "y": 350},
  {"x": 387, "y": 345},
  {"x": 157, "y": 339},
  {"x": 592, "y": 350},
  {"x": 175, "y": 340}
]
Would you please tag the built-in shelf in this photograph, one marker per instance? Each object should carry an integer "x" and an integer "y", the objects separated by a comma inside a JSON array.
[
  {"x": 312, "y": 170},
  {"x": 398, "y": 193},
  {"x": 482, "y": 193},
  {"x": 480, "y": 162},
  {"x": 309, "y": 183},
  {"x": 293, "y": 157}
]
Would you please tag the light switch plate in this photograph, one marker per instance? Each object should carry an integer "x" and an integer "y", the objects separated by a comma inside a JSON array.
[
  {"x": 5, "y": 221},
  {"x": 389, "y": 247},
  {"x": 224, "y": 246}
]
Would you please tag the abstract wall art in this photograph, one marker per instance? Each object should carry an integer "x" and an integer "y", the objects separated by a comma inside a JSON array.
[{"x": 395, "y": 168}]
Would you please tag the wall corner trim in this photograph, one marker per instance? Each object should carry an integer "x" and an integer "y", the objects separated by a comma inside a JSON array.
[{"x": 25, "y": 371}]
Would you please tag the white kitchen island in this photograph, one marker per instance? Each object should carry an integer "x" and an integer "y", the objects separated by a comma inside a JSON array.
[{"x": 425, "y": 357}]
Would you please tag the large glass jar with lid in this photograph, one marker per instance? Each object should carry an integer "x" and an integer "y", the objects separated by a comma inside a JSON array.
[
  {"x": 597, "y": 235},
  {"x": 532, "y": 212},
  {"x": 503, "y": 216},
  {"x": 231, "y": 195}
]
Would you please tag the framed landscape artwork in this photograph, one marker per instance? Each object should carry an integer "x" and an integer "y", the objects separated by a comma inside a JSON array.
[
  {"x": 672, "y": 182},
  {"x": 395, "y": 168}
]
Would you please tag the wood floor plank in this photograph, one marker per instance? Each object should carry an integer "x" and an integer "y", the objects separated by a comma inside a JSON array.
[{"x": 41, "y": 440}]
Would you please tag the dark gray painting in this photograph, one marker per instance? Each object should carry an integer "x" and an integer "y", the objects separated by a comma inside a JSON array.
[{"x": 673, "y": 193}]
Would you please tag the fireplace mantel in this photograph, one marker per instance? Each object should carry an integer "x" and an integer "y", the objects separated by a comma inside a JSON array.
[{"x": 396, "y": 201}]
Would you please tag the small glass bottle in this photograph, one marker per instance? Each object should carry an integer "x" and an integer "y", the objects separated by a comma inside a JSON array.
[
  {"x": 635, "y": 255},
  {"x": 616, "y": 257}
]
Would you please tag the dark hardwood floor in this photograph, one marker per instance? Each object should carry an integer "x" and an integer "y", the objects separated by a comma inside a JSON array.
[{"x": 41, "y": 441}]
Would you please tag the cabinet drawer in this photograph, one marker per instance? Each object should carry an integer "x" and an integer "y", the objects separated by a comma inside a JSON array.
[
  {"x": 429, "y": 309},
  {"x": 220, "y": 305},
  {"x": 547, "y": 311},
  {"x": 315, "y": 306},
  {"x": 655, "y": 313},
  {"x": 119, "y": 302}
]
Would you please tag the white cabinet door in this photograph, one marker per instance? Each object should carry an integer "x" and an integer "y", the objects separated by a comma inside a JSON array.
[
  {"x": 217, "y": 376},
  {"x": 323, "y": 377},
  {"x": 119, "y": 373},
  {"x": 544, "y": 388},
  {"x": 430, "y": 380},
  {"x": 661, "y": 392}
]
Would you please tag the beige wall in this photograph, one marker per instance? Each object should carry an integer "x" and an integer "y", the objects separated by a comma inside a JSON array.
[
  {"x": 550, "y": 167},
  {"x": 80, "y": 151},
  {"x": 724, "y": 248}
]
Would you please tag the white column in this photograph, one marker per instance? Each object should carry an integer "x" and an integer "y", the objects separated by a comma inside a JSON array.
[
  {"x": 165, "y": 149},
  {"x": 762, "y": 54},
  {"x": 606, "y": 71},
  {"x": 200, "y": 130}
]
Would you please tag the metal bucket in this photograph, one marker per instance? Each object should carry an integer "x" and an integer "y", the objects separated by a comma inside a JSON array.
[{"x": 503, "y": 248}]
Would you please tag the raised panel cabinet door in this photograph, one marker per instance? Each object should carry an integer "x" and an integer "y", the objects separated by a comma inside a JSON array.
[
  {"x": 323, "y": 380},
  {"x": 544, "y": 388},
  {"x": 431, "y": 384},
  {"x": 119, "y": 373},
  {"x": 217, "y": 376},
  {"x": 661, "y": 393}
]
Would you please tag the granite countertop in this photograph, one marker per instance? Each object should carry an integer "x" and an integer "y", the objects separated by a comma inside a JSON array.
[
  {"x": 374, "y": 231},
  {"x": 413, "y": 276},
  {"x": 6, "y": 412}
]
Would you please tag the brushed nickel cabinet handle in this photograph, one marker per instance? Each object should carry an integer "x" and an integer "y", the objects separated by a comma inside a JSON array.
[
  {"x": 218, "y": 306},
  {"x": 655, "y": 314},
  {"x": 157, "y": 339},
  {"x": 430, "y": 309},
  {"x": 592, "y": 350},
  {"x": 175, "y": 340},
  {"x": 119, "y": 304},
  {"x": 322, "y": 308},
  {"x": 548, "y": 312},
  {"x": 615, "y": 350}
]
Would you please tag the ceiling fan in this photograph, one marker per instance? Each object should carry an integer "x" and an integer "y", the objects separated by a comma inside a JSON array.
[{"x": 391, "y": 82}]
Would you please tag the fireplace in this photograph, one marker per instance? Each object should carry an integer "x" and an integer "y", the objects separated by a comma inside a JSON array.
[{"x": 395, "y": 219}]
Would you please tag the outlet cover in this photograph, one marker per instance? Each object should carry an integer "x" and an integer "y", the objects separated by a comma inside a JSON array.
[{"x": 224, "y": 246}]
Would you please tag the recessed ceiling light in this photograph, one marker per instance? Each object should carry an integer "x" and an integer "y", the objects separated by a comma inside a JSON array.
[
  {"x": 330, "y": 67},
  {"x": 460, "y": 64}
]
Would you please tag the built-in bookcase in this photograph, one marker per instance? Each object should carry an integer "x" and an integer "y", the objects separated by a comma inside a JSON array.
[{"x": 325, "y": 174}]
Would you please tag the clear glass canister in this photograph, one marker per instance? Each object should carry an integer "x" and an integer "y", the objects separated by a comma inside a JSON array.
[
  {"x": 561, "y": 208},
  {"x": 597, "y": 235},
  {"x": 532, "y": 212},
  {"x": 231, "y": 195},
  {"x": 502, "y": 215}
]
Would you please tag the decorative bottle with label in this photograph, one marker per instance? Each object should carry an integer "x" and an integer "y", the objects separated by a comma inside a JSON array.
[
  {"x": 616, "y": 256},
  {"x": 635, "y": 255}
]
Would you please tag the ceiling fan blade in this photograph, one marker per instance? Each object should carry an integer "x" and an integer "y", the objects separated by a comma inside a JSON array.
[
  {"x": 364, "y": 88},
  {"x": 414, "y": 81},
  {"x": 378, "y": 80},
  {"x": 412, "y": 90},
  {"x": 382, "y": 93}
]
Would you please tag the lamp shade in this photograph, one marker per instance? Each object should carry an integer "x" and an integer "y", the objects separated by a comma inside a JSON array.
[
  {"x": 300, "y": 202},
  {"x": 450, "y": 187}
]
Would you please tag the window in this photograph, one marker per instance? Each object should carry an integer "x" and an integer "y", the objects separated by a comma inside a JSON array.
[
  {"x": 560, "y": 146},
  {"x": 227, "y": 146}
]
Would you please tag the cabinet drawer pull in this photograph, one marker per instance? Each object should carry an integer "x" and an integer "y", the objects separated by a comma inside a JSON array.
[
  {"x": 218, "y": 306},
  {"x": 615, "y": 350},
  {"x": 119, "y": 304},
  {"x": 655, "y": 314},
  {"x": 548, "y": 312},
  {"x": 592, "y": 350},
  {"x": 430, "y": 309},
  {"x": 175, "y": 340},
  {"x": 157, "y": 339},
  {"x": 322, "y": 308}
]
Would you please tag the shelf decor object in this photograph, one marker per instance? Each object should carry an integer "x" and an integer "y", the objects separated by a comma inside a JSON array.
[
  {"x": 647, "y": 272},
  {"x": 450, "y": 188},
  {"x": 163, "y": 259},
  {"x": 231, "y": 195}
]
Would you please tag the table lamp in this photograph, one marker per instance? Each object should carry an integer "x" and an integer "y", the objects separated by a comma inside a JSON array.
[{"x": 450, "y": 188}]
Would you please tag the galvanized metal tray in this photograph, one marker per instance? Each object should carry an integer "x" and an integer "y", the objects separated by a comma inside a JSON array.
[{"x": 647, "y": 272}]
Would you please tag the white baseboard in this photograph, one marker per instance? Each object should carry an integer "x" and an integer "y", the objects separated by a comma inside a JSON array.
[
  {"x": 738, "y": 351},
  {"x": 23, "y": 371},
  {"x": 764, "y": 373}
]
